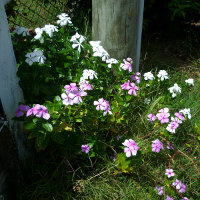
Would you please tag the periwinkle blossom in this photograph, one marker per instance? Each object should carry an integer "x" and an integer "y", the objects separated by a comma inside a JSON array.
[
  {"x": 21, "y": 110},
  {"x": 169, "y": 173},
  {"x": 64, "y": 19},
  {"x": 160, "y": 190},
  {"x": 179, "y": 116},
  {"x": 162, "y": 75},
  {"x": 179, "y": 186},
  {"x": 131, "y": 147},
  {"x": 66, "y": 99},
  {"x": 89, "y": 74},
  {"x": 169, "y": 146},
  {"x": 132, "y": 90},
  {"x": 185, "y": 198},
  {"x": 21, "y": 31},
  {"x": 127, "y": 65},
  {"x": 70, "y": 88},
  {"x": 151, "y": 117},
  {"x": 85, "y": 148},
  {"x": 190, "y": 81},
  {"x": 148, "y": 76},
  {"x": 78, "y": 43},
  {"x": 147, "y": 101},
  {"x": 174, "y": 90},
  {"x": 84, "y": 85},
  {"x": 50, "y": 29},
  {"x": 99, "y": 51},
  {"x": 136, "y": 77},
  {"x": 186, "y": 112},
  {"x": 169, "y": 198},
  {"x": 101, "y": 104},
  {"x": 157, "y": 145},
  {"x": 107, "y": 109},
  {"x": 126, "y": 85},
  {"x": 76, "y": 96},
  {"x": 38, "y": 32},
  {"x": 172, "y": 126},
  {"x": 39, "y": 111},
  {"x": 163, "y": 115},
  {"x": 111, "y": 61},
  {"x": 35, "y": 56}
]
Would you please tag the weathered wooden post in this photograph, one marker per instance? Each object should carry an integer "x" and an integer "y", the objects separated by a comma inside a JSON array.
[
  {"x": 11, "y": 132},
  {"x": 118, "y": 24}
]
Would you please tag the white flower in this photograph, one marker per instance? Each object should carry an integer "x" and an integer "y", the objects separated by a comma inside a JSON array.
[
  {"x": 186, "y": 112},
  {"x": 99, "y": 51},
  {"x": 64, "y": 19},
  {"x": 111, "y": 61},
  {"x": 49, "y": 29},
  {"x": 89, "y": 74},
  {"x": 21, "y": 30},
  {"x": 174, "y": 90},
  {"x": 162, "y": 74},
  {"x": 38, "y": 32},
  {"x": 149, "y": 76},
  {"x": 147, "y": 101},
  {"x": 190, "y": 81},
  {"x": 35, "y": 56},
  {"x": 78, "y": 43}
]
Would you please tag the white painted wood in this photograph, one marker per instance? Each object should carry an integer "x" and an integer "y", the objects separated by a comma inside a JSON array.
[
  {"x": 115, "y": 23},
  {"x": 10, "y": 92}
]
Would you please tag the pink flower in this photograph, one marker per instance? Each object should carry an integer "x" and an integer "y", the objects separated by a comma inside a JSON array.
[
  {"x": 42, "y": 112},
  {"x": 21, "y": 109},
  {"x": 180, "y": 116},
  {"x": 107, "y": 109},
  {"x": 163, "y": 115},
  {"x": 32, "y": 111},
  {"x": 169, "y": 198},
  {"x": 66, "y": 99},
  {"x": 101, "y": 104},
  {"x": 70, "y": 88},
  {"x": 136, "y": 77},
  {"x": 84, "y": 85},
  {"x": 160, "y": 190},
  {"x": 151, "y": 117},
  {"x": 126, "y": 85},
  {"x": 172, "y": 127},
  {"x": 76, "y": 96},
  {"x": 169, "y": 173},
  {"x": 132, "y": 89},
  {"x": 85, "y": 148},
  {"x": 130, "y": 147},
  {"x": 127, "y": 64},
  {"x": 157, "y": 145}
]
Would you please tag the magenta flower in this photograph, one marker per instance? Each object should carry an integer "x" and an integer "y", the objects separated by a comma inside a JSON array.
[
  {"x": 136, "y": 77},
  {"x": 84, "y": 85},
  {"x": 42, "y": 112},
  {"x": 180, "y": 116},
  {"x": 127, "y": 64},
  {"x": 76, "y": 96},
  {"x": 32, "y": 111},
  {"x": 101, "y": 104},
  {"x": 157, "y": 145},
  {"x": 130, "y": 147},
  {"x": 172, "y": 126},
  {"x": 107, "y": 109},
  {"x": 85, "y": 148},
  {"x": 169, "y": 173},
  {"x": 163, "y": 115},
  {"x": 151, "y": 117},
  {"x": 169, "y": 198},
  {"x": 132, "y": 89},
  {"x": 160, "y": 190},
  {"x": 70, "y": 88},
  {"x": 126, "y": 85},
  {"x": 177, "y": 183},
  {"x": 66, "y": 99},
  {"x": 21, "y": 109}
]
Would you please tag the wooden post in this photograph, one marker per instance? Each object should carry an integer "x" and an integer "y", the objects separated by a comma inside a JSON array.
[{"x": 117, "y": 23}]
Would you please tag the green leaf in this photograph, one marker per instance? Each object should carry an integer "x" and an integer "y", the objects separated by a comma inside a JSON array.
[
  {"x": 48, "y": 127},
  {"x": 128, "y": 97},
  {"x": 57, "y": 137},
  {"x": 30, "y": 126}
]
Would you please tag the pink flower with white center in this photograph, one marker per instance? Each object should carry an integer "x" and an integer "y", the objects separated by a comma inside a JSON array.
[
  {"x": 177, "y": 183},
  {"x": 130, "y": 147},
  {"x": 70, "y": 88},
  {"x": 66, "y": 99},
  {"x": 157, "y": 145},
  {"x": 85, "y": 148},
  {"x": 169, "y": 146},
  {"x": 151, "y": 117},
  {"x": 172, "y": 127},
  {"x": 169, "y": 198},
  {"x": 182, "y": 189},
  {"x": 127, "y": 64},
  {"x": 180, "y": 116},
  {"x": 176, "y": 119},
  {"x": 126, "y": 85},
  {"x": 136, "y": 77},
  {"x": 76, "y": 96},
  {"x": 169, "y": 173},
  {"x": 107, "y": 109},
  {"x": 33, "y": 111},
  {"x": 163, "y": 115},
  {"x": 84, "y": 85},
  {"x": 42, "y": 112},
  {"x": 160, "y": 190},
  {"x": 101, "y": 104},
  {"x": 132, "y": 90},
  {"x": 21, "y": 109}
]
